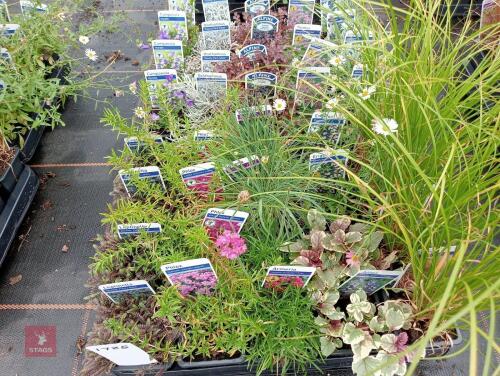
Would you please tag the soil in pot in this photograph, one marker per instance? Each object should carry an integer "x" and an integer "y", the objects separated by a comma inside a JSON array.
[{"x": 6, "y": 156}]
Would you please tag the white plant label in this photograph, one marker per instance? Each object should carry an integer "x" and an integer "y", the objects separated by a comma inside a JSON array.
[
  {"x": 203, "y": 135},
  {"x": 5, "y": 55},
  {"x": 8, "y": 30},
  {"x": 211, "y": 85},
  {"x": 210, "y": 59},
  {"x": 126, "y": 230},
  {"x": 216, "y": 35},
  {"x": 151, "y": 173},
  {"x": 168, "y": 54},
  {"x": 327, "y": 124},
  {"x": 120, "y": 290},
  {"x": 216, "y": 10},
  {"x": 27, "y": 7},
  {"x": 318, "y": 52},
  {"x": 264, "y": 27},
  {"x": 173, "y": 24},
  {"x": 253, "y": 112},
  {"x": 263, "y": 83},
  {"x": 302, "y": 33},
  {"x": 122, "y": 354},
  {"x": 4, "y": 11},
  {"x": 256, "y": 7},
  {"x": 370, "y": 281},
  {"x": 301, "y": 11},
  {"x": 155, "y": 78},
  {"x": 329, "y": 164},
  {"x": 252, "y": 50},
  {"x": 281, "y": 276}
]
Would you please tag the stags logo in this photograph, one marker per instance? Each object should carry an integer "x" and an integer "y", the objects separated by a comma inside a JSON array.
[{"x": 40, "y": 341}]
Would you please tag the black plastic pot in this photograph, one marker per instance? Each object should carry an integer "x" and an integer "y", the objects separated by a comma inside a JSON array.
[
  {"x": 9, "y": 178},
  {"x": 15, "y": 208},
  {"x": 210, "y": 363},
  {"x": 340, "y": 360},
  {"x": 148, "y": 370}
]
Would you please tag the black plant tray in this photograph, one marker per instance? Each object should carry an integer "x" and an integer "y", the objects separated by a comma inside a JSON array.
[
  {"x": 15, "y": 208},
  {"x": 339, "y": 361},
  {"x": 8, "y": 180}
]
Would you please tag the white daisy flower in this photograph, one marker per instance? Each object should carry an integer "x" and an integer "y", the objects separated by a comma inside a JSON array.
[
  {"x": 385, "y": 126},
  {"x": 140, "y": 113},
  {"x": 332, "y": 103},
  {"x": 367, "y": 92},
  {"x": 61, "y": 16},
  {"x": 133, "y": 87},
  {"x": 279, "y": 105},
  {"x": 83, "y": 39},
  {"x": 337, "y": 60},
  {"x": 90, "y": 53}
]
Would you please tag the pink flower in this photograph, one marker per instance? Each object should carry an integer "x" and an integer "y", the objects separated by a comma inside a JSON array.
[
  {"x": 352, "y": 259},
  {"x": 401, "y": 341},
  {"x": 231, "y": 245}
]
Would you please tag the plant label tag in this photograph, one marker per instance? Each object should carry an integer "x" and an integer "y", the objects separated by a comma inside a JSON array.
[
  {"x": 4, "y": 11},
  {"x": 204, "y": 135},
  {"x": 150, "y": 173},
  {"x": 216, "y": 35},
  {"x": 329, "y": 164},
  {"x": 5, "y": 55},
  {"x": 173, "y": 24},
  {"x": 319, "y": 52},
  {"x": 134, "y": 229},
  {"x": 218, "y": 220},
  {"x": 309, "y": 83},
  {"x": 8, "y": 30},
  {"x": 279, "y": 277},
  {"x": 118, "y": 291},
  {"x": 357, "y": 71},
  {"x": 211, "y": 85},
  {"x": 302, "y": 33},
  {"x": 370, "y": 281},
  {"x": 28, "y": 7},
  {"x": 301, "y": 11},
  {"x": 338, "y": 22},
  {"x": 3, "y": 85},
  {"x": 251, "y": 51},
  {"x": 263, "y": 83},
  {"x": 168, "y": 54},
  {"x": 327, "y": 6},
  {"x": 256, "y": 7},
  {"x": 351, "y": 37},
  {"x": 198, "y": 177},
  {"x": 192, "y": 277},
  {"x": 216, "y": 10},
  {"x": 253, "y": 112},
  {"x": 134, "y": 145},
  {"x": 327, "y": 124},
  {"x": 211, "y": 58},
  {"x": 264, "y": 27},
  {"x": 122, "y": 354},
  {"x": 156, "y": 78},
  {"x": 241, "y": 165}
]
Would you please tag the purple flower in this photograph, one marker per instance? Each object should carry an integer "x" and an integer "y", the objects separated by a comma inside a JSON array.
[
  {"x": 189, "y": 102},
  {"x": 163, "y": 34},
  {"x": 154, "y": 116},
  {"x": 179, "y": 94},
  {"x": 144, "y": 46},
  {"x": 169, "y": 77}
]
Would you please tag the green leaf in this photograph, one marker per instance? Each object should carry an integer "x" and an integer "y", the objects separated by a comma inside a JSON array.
[
  {"x": 372, "y": 241},
  {"x": 316, "y": 220},
  {"x": 330, "y": 243},
  {"x": 294, "y": 246},
  {"x": 353, "y": 237},
  {"x": 366, "y": 366},
  {"x": 352, "y": 335},
  {"x": 317, "y": 239},
  {"x": 360, "y": 227},
  {"x": 376, "y": 325},
  {"x": 363, "y": 348},
  {"x": 388, "y": 343},
  {"x": 390, "y": 364},
  {"x": 329, "y": 277},
  {"x": 394, "y": 319},
  {"x": 328, "y": 346},
  {"x": 341, "y": 223},
  {"x": 331, "y": 297},
  {"x": 337, "y": 315}
]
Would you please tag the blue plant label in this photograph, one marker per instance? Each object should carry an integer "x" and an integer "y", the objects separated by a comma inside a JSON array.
[
  {"x": 191, "y": 277},
  {"x": 204, "y": 135},
  {"x": 370, "y": 281},
  {"x": 211, "y": 85},
  {"x": 351, "y": 37},
  {"x": 173, "y": 24},
  {"x": 264, "y": 26},
  {"x": 156, "y": 78},
  {"x": 309, "y": 83},
  {"x": 134, "y": 145},
  {"x": 279, "y": 277},
  {"x": 5, "y": 55},
  {"x": 327, "y": 6},
  {"x": 116, "y": 292},
  {"x": 28, "y": 7},
  {"x": 8, "y": 30},
  {"x": 134, "y": 229},
  {"x": 329, "y": 164},
  {"x": 210, "y": 59},
  {"x": 357, "y": 71},
  {"x": 262, "y": 82},
  {"x": 302, "y": 33},
  {"x": 251, "y": 51},
  {"x": 319, "y": 52},
  {"x": 256, "y": 7},
  {"x": 216, "y": 35},
  {"x": 339, "y": 21},
  {"x": 327, "y": 124},
  {"x": 216, "y": 10},
  {"x": 168, "y": 54},
  {"x": 241, "y": 165},
  {"x": 4, "y": 11},
  {"x": 443, "y": 251},
  {"x": 3, "y": 85},
  {"x": 253, "y": 112},
  {"x": 216, "y": 221},
  {"x": 301, "y": 11},
  {"x": 150, "y": 173},
  {"x": 198, "y": 177}
]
